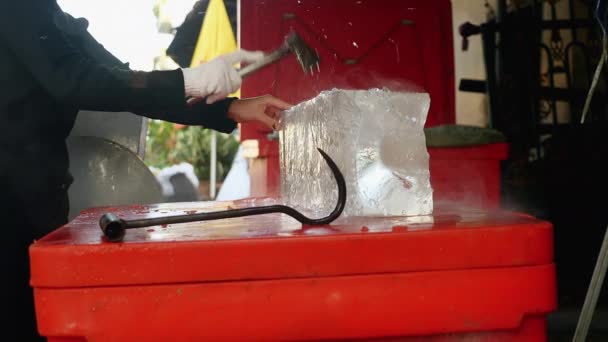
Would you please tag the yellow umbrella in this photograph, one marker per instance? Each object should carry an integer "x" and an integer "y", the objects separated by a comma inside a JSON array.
[{"x": 216, "y": 37}]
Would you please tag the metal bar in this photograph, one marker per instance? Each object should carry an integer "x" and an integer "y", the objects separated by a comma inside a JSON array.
[
  {"x": 572, "y": 17},
  {"x": 143, "y": 135},
  {"x": 488, "y": 36},
  {"x": 537, "y": 8},
  {"x": 595, "y": 287},
  {"x": 561, "y": 24},
  {"x": 213, "y": 166},
  {"x": 267, "y": 60},
  {"x": 566, "y": 24},
  {"x": 502, "y": 9},
  {"x": 552, "y": 129},
  {"x": 598, "y": 71},
  {"x": 500, "y": 54},
  {"x": 238, "y": 23},
  {"x": 561, "y": 94},
  {"x": 574, "y": 96},
  {"x": 114, "y": 227},
  {"x": 551, "y": 81},
  {"x": 473, "y": 86}
]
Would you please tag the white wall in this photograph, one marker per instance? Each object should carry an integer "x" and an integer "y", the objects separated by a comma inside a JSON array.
[
  {"x": 470, "y": 107},
  {"x": 127, "y": 28}
]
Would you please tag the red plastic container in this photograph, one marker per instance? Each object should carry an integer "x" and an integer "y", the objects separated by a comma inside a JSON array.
[
  {"x": 468, "y": 275},
  {"x": 468, "y": 176}
]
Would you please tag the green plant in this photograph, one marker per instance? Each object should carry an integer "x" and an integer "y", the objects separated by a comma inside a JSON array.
[{"x": 168, "y": 144}]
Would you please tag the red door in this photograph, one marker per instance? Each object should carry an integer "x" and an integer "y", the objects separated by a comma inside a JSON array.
[{"x": 397, "y": 44}]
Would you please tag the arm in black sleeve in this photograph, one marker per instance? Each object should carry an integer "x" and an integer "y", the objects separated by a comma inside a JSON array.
[
  {"x": 211, "y": 116},
  {"x": 30, "y": 31}
]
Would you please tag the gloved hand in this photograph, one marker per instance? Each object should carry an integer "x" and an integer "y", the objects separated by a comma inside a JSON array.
[{"x": 217, "y": 78}]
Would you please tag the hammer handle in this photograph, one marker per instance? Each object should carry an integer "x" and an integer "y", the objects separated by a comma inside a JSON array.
[{"x": 268, "y": 59}]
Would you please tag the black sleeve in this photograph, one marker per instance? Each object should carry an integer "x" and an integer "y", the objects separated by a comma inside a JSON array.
[
  {"x": 211, "y": 116},
  {"x": 30, "y": 31}
]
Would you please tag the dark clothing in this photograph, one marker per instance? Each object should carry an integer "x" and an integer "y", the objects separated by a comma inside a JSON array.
[
  {"x": 50, "y": 67},
  {"x": 21, "y": 226}
]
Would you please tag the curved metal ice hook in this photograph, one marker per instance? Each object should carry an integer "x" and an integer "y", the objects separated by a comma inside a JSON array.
[{"x": 114, "y": 228}]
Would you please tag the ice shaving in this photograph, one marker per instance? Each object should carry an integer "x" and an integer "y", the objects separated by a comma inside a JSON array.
[{"x": 375, "y": 136}]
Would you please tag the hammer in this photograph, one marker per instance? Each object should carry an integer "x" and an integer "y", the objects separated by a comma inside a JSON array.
[{"x": 306, "y": 56}]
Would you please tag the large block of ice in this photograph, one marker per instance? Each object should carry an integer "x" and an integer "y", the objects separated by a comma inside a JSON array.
[{"x": 376, "y": 138}]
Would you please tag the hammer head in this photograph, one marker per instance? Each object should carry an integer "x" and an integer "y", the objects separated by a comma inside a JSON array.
[{"x": 306, "y": 56}]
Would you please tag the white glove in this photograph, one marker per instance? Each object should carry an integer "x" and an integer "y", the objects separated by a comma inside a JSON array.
[{"x": 217, "y": 78}]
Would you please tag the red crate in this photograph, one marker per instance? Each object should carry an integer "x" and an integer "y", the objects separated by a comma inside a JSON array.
[
  {"x": 469, "y": 275},
  {"x": 468, "y": 176}
]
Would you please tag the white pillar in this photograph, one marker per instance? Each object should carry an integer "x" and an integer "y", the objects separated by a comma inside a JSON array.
[{"x": 213, "y": 168}]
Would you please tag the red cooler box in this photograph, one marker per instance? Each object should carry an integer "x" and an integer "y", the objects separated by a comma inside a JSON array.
[
  {"x": 459, "y": 275},
  {"x": 469, "y": 176}
]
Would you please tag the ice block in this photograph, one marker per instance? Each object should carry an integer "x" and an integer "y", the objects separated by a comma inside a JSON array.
[{"x": 377, "y": 139}]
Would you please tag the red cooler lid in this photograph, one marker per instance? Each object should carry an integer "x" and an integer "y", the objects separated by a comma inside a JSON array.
[{"x": 275, "y": 246}]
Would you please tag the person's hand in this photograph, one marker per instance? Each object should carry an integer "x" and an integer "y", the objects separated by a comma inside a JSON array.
[
  {"x": 264, "y": 109},
  {"x": 217, "y": 78}
]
